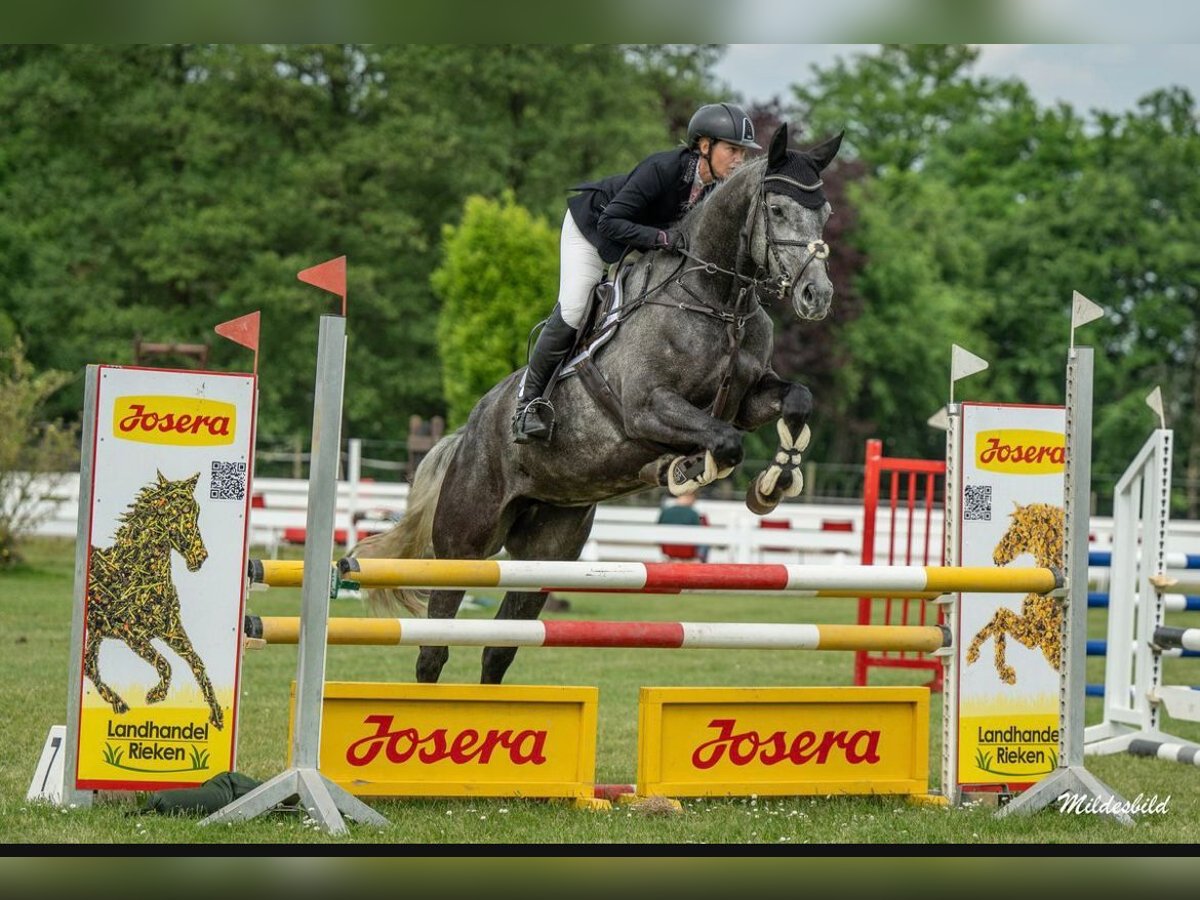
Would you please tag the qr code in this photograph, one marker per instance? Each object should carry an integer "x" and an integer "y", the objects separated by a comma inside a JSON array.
[
  {"x": 228, "y": 481},
  {"x": 977, "y": 503}
]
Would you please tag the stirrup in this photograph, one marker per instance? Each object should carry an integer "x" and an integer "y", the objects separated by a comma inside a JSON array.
[{"x": 535, "y": 422}]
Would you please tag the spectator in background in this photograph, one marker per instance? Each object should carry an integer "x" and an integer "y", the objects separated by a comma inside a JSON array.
[{"x": 683, "y": 512}]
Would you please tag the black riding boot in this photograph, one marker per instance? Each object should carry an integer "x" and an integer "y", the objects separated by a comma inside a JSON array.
[{"x": 534, "y": 419}]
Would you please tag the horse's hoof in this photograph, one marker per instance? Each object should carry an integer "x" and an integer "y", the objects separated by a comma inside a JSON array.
[
  {"x": 154, "y": 695},
  {"x": 756, "y": 507},
  {"x": 654, "y": 473},
  {"x": 756, "y": 502},
  {"x": 217, "y": 719}
]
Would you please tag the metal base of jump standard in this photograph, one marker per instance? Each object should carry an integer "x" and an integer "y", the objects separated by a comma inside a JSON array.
[
  {"x": 1071, "y": 778},
  {"x": 325, "y": 802}
]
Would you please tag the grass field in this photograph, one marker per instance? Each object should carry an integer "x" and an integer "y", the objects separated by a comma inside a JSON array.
[{"x": 35, "y": 610}]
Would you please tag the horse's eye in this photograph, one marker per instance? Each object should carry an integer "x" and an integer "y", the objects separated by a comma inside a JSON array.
[{"x": 776, "y": 210}]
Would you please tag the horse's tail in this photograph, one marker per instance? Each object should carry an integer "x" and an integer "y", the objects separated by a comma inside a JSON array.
[{"x": 413, "y": 537}]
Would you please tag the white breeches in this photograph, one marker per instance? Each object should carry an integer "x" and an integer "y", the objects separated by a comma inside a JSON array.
[{"x": 580, "y": 270}]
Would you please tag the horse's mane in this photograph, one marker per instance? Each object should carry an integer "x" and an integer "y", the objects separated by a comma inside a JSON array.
[
  {"x": 722, "y": 203},
  {"x": 139, "y": 505},
  {"x": 1036, "y": 528}
]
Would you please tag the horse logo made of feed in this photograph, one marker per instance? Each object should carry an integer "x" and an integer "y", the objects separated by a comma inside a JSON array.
[
  {"x": 130, "y": 594},
  {"x": 1036, "y": 529}
]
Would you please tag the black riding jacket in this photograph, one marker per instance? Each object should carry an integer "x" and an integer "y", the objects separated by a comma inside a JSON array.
[{"x": 630, "y": 210}]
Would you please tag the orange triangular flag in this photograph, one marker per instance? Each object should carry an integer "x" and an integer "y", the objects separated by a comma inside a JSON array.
[
  {"x": 328, "y": 276},
  {"x": 243, "y": 330}
]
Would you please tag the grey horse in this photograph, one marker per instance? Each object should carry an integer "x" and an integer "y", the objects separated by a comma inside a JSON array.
[{"x": 667, "y": 402}]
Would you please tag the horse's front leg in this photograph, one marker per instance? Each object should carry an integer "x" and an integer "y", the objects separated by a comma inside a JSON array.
[
  {"x": 91, "y": 668},
  {"x": 178, "y": 641},
  {"x": 791, "y": 405},
  {"x": 665, "y": 417}
]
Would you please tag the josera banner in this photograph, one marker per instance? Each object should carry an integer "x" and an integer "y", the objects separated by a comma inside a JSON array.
[
  {"x": 456, "y": 740},
  {"x": 717, "y": 742},
  {"x": 1012, "y": 463},
  {"x": 164, "y": 584}
]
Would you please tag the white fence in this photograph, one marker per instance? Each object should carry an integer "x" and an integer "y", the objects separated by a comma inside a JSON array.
[{"x": 808, "y": 533}]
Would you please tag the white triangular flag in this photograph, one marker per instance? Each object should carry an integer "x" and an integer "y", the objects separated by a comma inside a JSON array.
[
  {"x": 1154, "y": 401},
  {"x": 939, "y": 420},
  {"x": 964, "y": 363},
  {"x": 1084, "y": 310}
]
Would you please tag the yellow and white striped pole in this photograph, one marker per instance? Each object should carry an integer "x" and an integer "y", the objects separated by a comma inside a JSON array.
[{"x": 816, "y": 581}]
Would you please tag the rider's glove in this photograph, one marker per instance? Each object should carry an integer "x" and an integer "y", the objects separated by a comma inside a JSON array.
[{"x": 671, "y": 239}]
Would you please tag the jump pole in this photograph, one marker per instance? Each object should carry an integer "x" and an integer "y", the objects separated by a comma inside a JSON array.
[
  {"x": 634, "y": 635},
  {"x": 325, "y": 801},
  {"x": 595, "y": 578},
  {"x": 852, "y": 581},
  {"x": 1072, "y": 776}
]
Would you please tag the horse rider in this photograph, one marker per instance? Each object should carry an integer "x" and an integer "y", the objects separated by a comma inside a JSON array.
[{"x": 633, "y": 211}]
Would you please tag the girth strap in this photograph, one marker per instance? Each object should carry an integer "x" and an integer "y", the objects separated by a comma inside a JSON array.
[{"x": 597, "y": 385}]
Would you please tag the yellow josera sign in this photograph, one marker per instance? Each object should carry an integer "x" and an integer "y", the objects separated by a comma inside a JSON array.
[
  {"x": 181, "y": 421},
  {"x": 448, "y": 740},
  {"x": 698, "y": 742},
  {"x": 1021, "y": 451}
]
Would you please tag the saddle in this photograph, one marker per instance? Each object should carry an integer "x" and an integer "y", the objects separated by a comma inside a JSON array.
[{"x": 600, "y": 322}]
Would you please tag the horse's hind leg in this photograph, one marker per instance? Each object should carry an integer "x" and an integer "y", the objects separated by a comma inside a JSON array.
[
  {"x": 541, "y": 532},
  {"x": 463, "y": 528},
  {"x": 91, "y": 668}
]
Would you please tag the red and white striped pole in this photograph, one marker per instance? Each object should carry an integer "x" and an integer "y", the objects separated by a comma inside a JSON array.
[{"x": 646, "y": 635}]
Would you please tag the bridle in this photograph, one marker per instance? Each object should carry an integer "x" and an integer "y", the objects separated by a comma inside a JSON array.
[
  {"x": 761, "y": 282},
  {"x": 817, "y": 249}
]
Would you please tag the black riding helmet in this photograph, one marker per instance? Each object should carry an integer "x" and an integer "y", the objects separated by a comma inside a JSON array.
[{"x": 723, "y": 122}]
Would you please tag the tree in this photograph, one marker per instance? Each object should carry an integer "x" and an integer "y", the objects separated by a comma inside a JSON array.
[
  {"x": 155, "y": 191},
  {"x": 983, "y": 213},
  {"x": 1146, "y": 222},
  {"x": 498, "y": 278},
  {"x": 895, "y": 105},
  {"x": 33, "y": 454}
]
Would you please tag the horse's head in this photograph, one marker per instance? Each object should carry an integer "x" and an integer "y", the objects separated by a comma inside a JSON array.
[
  {"x": 179, "y": 514},
  {"x": 1036, "y": 529},
  {"x": 788, "y": 219}
]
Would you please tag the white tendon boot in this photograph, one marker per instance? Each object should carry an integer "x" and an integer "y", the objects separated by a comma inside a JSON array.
[{"x": 787, "y": 459}]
